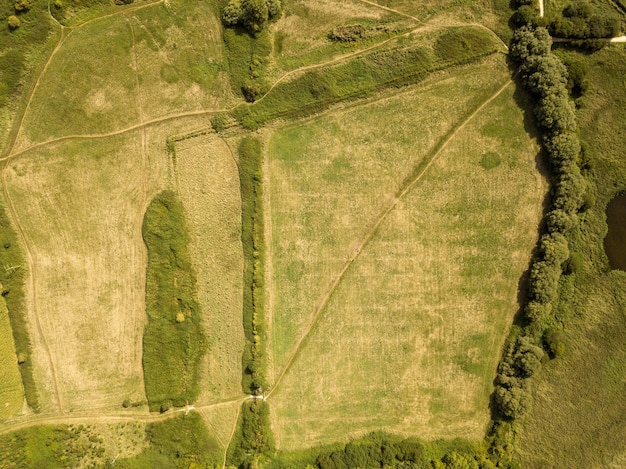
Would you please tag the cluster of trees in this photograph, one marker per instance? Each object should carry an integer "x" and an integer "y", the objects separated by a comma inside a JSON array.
[
  {"x": 253, "y": 440},
  {"x": 546, "y": 78},
  {"x": 253, "y": 15},
  {"x": 580, "y": 20}
]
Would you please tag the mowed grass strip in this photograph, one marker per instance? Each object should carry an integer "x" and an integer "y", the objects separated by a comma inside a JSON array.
[
  {"x": 331, "y": 176},
  {"x": 209, "y": 191},
  {"x": 410, "y": 338},
  {"x": 174, "y": 342},
  {"x": 11, "y": 391},
  {"x": 80, "y": 205}
]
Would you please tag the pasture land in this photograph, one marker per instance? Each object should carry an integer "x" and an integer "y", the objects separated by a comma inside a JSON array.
[
  {"x": 578, "y": 417},
  {"x": 207, "y": 181},
  {"x": 413, "y": 296},
  {"x": 11, "y": 391},
  {"x": 80, "y": 206},
  {"x": 122, "y": 70}
]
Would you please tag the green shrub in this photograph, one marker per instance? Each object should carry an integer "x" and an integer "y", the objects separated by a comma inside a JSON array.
[
  {"x": 462, "y": 44},
  {"x": 527, "y": 357},
  {"x": 529, "y": 41},
  {"x": 219, "y": 122},
  {"x": 554, "y": 342},
  {"x": 13, "y": 22},
  {"x": 172, "y": 350},
  {"x": 253, "y": 438},
  {"x": 512, "y": 402}
]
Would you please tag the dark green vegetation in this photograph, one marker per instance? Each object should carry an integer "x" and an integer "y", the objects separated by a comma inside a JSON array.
[
  {"x": 615, "y": 241},
  {"x": 252, "y": 442},
  {"x": 316, "y": 90},
  {"x": 12, "y": 277},
  {"x": 173, "y": 342},
  {"x": 382, "y": 450},
  {"x": 578, "y": 417},
  {"x": 15, "y": 44},
  {"x": 253, "y": 15},
  {"x": 248, "y": 58},
  {"x": 48, "y": 446},
  {"x": 181, "y": 442},
  {"x": 254, "y": 360}
]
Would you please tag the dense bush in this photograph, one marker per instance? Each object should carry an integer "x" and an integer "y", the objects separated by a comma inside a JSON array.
[
  {"x": 248, "y": 58},
  {"x": 172, "y": 349},
  {"x": 253, "y": 15},
  {"x": 252, "y": 236},
  {"x": 253, "y": 438},
  {"x": 581, "y": 20}
]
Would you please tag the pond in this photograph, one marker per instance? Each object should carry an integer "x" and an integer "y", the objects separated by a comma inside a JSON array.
[{"x": 615, "y": 241}]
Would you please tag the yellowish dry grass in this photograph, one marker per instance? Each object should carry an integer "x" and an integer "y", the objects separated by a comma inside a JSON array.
[
  {"x": 80, "y": 205},
  {"x": 410, "y": 338},
  {"x": 208, "y": 186},
  {"x": 11, "y": 391}
]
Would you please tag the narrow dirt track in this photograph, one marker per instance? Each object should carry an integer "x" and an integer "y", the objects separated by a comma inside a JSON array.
[{"x": 323, "y": 302}]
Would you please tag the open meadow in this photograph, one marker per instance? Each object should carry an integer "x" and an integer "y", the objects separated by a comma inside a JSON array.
[{"x": 390, "y": 299}]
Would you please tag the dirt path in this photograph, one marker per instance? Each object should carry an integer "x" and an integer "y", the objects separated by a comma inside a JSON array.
[
  {"x": 541, "y": 8},
  {"x": 323, "y": 302}
]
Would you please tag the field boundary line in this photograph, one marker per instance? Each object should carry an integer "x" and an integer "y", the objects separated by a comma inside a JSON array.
[{"x": 408, "y": 185}]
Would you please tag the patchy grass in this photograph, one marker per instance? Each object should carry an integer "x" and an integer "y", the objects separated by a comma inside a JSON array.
[
  {"x": 80, "y": 205},
  {"x": 301, "y": 35},
  {"x": 174, "y": 342},
  {"x": 409, "y": 340},
  {"x": 212, "y": 203},
  {"x": 584, "y": 388},
  {"x": 11, "y": 391}
]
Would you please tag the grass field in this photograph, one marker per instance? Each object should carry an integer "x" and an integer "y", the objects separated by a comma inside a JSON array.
[
  {"x": 126, "y": 69},
  {"x": 208, "y": 186},
  {"x": 11, "y": 391},
  {"x": 80, "y": 205},
  {"x": 578, "y": 418},
  {"x": 434, "y": 265}
]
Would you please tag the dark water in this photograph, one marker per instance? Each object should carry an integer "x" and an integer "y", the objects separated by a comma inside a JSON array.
[{"x": 615, "y": 241}]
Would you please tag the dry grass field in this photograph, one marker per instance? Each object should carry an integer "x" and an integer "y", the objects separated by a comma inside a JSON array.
[
  {"x": 11, "y": 391},
  {"x": 208, "y": 186},
  {"x": 410, "y": 337},
  {"x": 80, "y": 206}
]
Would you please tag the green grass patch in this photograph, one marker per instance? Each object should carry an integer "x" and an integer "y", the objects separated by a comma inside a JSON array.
[
  {"x": 12, "y": 278},
  {"x": 462, "y": 44},
  {"x": 248, "y": 58},
  {"x": 182, "y": 442},
  {"x": 174, "y": 341}
]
